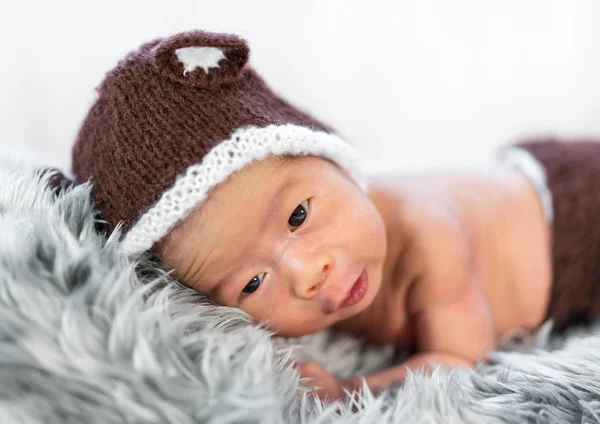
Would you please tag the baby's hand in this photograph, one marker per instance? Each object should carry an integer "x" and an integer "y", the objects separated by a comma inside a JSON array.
[{"x": 326, "y": 385}]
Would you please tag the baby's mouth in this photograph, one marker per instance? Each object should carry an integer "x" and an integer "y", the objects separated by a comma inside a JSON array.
[{"x": 356, "y": 292}]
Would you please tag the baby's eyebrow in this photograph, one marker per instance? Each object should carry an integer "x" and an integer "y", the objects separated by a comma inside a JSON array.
[
  {"x": 217, "y": 289},
  {"x": 286, "y": 185},
  {"x": 224, "y": 282}
]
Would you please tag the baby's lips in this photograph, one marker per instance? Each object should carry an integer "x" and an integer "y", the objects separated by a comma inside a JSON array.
[
  {"x": 335, "y": 298},
  {"x": 201, "y": 59}
]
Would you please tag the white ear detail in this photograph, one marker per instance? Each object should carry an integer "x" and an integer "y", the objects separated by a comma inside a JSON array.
[{"x": 199, "y": 57}]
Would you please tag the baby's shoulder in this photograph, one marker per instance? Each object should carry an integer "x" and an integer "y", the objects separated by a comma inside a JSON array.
[
  {"x": 420, "y": 210},
  {"x": 426, "y": 240}
]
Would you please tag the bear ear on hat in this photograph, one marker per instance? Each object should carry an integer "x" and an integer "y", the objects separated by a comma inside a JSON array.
[{"x": 201, "y": 59}]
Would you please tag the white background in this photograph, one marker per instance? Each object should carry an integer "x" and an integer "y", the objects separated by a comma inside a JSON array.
[{"x": 414, "y": 84}]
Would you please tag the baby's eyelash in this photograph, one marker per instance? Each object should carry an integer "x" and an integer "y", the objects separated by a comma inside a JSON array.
[
  {"x": 254, "y": 284},
  {"x": 299, "y": 215}
]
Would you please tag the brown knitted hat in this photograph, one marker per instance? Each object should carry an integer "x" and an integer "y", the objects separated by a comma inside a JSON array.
[{"x": 177, "y": 117}]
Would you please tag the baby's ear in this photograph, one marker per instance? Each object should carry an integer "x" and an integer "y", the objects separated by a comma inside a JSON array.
[{"x": 201, "y": 59}]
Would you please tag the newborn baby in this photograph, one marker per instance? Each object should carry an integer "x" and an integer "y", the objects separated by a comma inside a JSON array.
[
  {"x": 444, "y": 265},
  {"x": 263, "y": 207}
]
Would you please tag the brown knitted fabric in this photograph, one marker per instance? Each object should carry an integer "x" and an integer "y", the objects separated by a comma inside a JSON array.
[
  {"x": 573, "y": 175},
  {"x": 153, "y": 118}
]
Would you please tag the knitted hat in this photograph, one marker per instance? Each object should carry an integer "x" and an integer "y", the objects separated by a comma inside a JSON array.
[{"x": 177, "y": 117}]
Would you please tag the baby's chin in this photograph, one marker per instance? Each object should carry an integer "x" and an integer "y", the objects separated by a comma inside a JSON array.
[
  {"x": 300, "y": 330},
  {"x": 323, "y": 322}
]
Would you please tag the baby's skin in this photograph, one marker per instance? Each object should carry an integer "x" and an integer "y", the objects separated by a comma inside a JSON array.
[{"x": 442, "y": 265}]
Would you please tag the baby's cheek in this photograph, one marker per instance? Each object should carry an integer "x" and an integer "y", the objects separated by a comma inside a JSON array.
[
  {"x": 370, "y": 246},
  {"x": 265, "y": 309},
  {"x": 255, "y": 311},
  {"x": 271, "y": 314},
  {"x": 295, "y": 322},
  {"x": 286, "y": 315}
]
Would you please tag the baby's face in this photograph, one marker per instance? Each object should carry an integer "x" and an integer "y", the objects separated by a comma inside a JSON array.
[{"x": 289, "y": 240}]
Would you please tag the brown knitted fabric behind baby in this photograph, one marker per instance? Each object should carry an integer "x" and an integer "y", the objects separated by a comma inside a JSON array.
[
  {"x": 153, "y": 118},
  {"x": 573, "y": 173}
]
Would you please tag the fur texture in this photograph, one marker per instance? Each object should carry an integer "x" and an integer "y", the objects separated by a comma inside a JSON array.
[{"x": 89, "y": 335}]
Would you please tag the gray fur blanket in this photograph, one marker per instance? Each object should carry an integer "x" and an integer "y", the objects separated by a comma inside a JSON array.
[{"x": 88, "y": 335}]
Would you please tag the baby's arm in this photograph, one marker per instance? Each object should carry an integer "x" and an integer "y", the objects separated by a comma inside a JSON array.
[
  {"x": 452, "y": 321},
  {"x": 327, "y": 386},
  {"x": 453, "y": 335},
  {"x": 421, "y": 361}
]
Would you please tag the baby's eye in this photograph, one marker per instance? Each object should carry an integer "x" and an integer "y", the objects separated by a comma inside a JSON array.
[
  {"x": 253, "y": 285},
  {"x": 299, "y": 215}
]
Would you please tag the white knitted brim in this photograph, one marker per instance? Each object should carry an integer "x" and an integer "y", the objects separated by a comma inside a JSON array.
[{"x": 245, "y": 146}]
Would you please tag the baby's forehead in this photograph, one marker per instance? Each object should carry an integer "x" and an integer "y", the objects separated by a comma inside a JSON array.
[
  {"x": 246, "y": 192},
  {"x": 257, "y": 182},
  {"x": 268, "y": 172},
  {"x": 214, "y": 227},
  {"x": 269, "y": 165}
]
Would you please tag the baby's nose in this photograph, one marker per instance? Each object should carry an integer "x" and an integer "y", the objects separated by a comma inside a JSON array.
[{"x": 312, "y": 275}]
